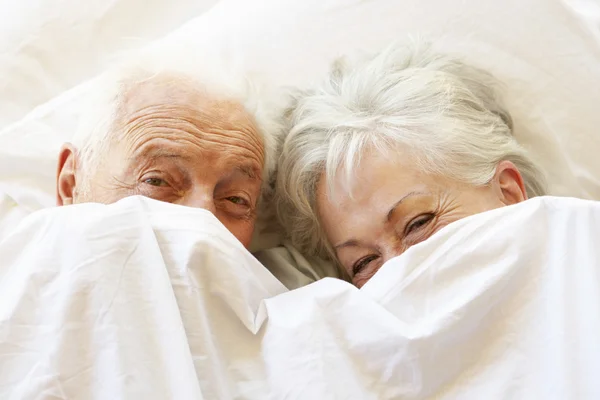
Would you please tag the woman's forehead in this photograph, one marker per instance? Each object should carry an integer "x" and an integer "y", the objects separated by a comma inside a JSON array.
[{"x": 375, "y": 174}]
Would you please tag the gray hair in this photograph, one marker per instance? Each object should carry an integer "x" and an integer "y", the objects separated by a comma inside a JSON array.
[
  {"x": 96, "y": 130},
  {"x": 445, "y": 112}
]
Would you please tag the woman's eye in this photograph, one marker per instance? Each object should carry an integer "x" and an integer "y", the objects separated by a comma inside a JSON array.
[
  {"x": 418, "y": 223},
  {"x": 362, "y": 264},
  {"x": 155, "y": 182}
]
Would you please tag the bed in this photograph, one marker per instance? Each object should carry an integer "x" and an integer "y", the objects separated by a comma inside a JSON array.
[{"x": 180, "y": 333}]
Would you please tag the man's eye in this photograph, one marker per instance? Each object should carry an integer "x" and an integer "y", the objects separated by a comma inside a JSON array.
[
  {"x": 361, "y": 264},
  {"x": 155, "y": 182},
  {"x": 418, "y": 222},
  {"x": 238, "y": 200}
]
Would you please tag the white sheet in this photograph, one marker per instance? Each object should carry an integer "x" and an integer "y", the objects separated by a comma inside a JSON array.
[{"x": 142, "y": 299}]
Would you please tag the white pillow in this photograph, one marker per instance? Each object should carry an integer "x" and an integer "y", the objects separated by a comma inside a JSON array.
[{"x": 49, "y": 46}]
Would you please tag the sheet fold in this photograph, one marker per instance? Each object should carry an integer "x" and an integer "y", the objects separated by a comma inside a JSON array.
[{"x": 142, "y": 299}]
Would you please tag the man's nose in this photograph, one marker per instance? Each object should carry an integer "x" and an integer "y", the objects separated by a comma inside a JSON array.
[{"x": 200, "y": 199}]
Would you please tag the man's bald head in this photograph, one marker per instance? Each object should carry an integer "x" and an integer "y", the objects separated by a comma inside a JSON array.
[{"x": 168, "y": 136}]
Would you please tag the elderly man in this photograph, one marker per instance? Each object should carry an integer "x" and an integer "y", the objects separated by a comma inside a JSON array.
[
  {"x": 164, "y": 134},
  {"x": 138, "y": 298}
]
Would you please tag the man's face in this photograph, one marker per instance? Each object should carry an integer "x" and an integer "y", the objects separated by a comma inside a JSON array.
[{"x": 176, "y": 145}]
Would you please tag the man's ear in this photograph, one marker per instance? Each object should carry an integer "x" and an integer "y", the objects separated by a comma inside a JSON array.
[
  {"x": 65, "y": 177},
  {"x": 508, "y": 183}
]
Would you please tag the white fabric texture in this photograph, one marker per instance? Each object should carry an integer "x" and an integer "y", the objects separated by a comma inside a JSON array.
[
  {"x": 49, "y": 46},
  {"x": 142, "y": 299},
  {"x": 148, "y": 300}
]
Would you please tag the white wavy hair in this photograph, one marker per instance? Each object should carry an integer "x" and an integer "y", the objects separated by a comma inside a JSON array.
[
  {"x": 96, "y": 130},
  {"x": 447, "y": 114}
]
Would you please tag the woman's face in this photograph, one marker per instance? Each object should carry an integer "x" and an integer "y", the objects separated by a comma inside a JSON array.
[{"x": 394, "y": 206}]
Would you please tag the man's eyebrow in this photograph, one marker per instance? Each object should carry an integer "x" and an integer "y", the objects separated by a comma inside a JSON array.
[
  {"x": 157, "y": 153},
  {"x": 250, "y": 171},
  {"x": 391, "y": 212}
]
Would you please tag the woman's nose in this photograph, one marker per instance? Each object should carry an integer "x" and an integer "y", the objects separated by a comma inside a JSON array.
[{"x": 392, "y": 249}]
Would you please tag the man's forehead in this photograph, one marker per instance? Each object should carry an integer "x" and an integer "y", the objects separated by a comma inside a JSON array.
[
  {"x": 170, "y": 91},
  {"x": 178, "y": 114},
  {"x": 157, "y": 151}
]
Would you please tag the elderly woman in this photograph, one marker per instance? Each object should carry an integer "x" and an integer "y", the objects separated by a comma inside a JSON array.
[{"x": 392, "y": 148}]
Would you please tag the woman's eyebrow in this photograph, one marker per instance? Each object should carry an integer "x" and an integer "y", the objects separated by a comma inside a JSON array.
[
  {"x": 348, "y": 243},
  {"x": 411, "y": 194},
  {"x": 356, "y": 243}
]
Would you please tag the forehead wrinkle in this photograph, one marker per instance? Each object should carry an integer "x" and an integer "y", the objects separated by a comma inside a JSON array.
[
  {"x": 170, "y": 115},
  {"x": 152, "y": 153},
  {"x": 148, "y": 151},
  {"x": 168, "y": 90},
  {"x": 204, "y": 143},
  {"x": 238, "y": 122},
  {"x": 227, "y": 153},
  {"x": 182, "y": 92},
  {"x": 194, "y": 122},
  {"x": 193, "y": 115},
  {"x": 170, "y": 110},
  {"x": 239, "y": 144}
]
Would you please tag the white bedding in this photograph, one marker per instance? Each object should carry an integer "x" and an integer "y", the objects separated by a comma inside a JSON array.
[
  {"x": 154, "y": 301},
  {"x": 146, "y": 300},
  {"x": 49, "y": 46}
]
